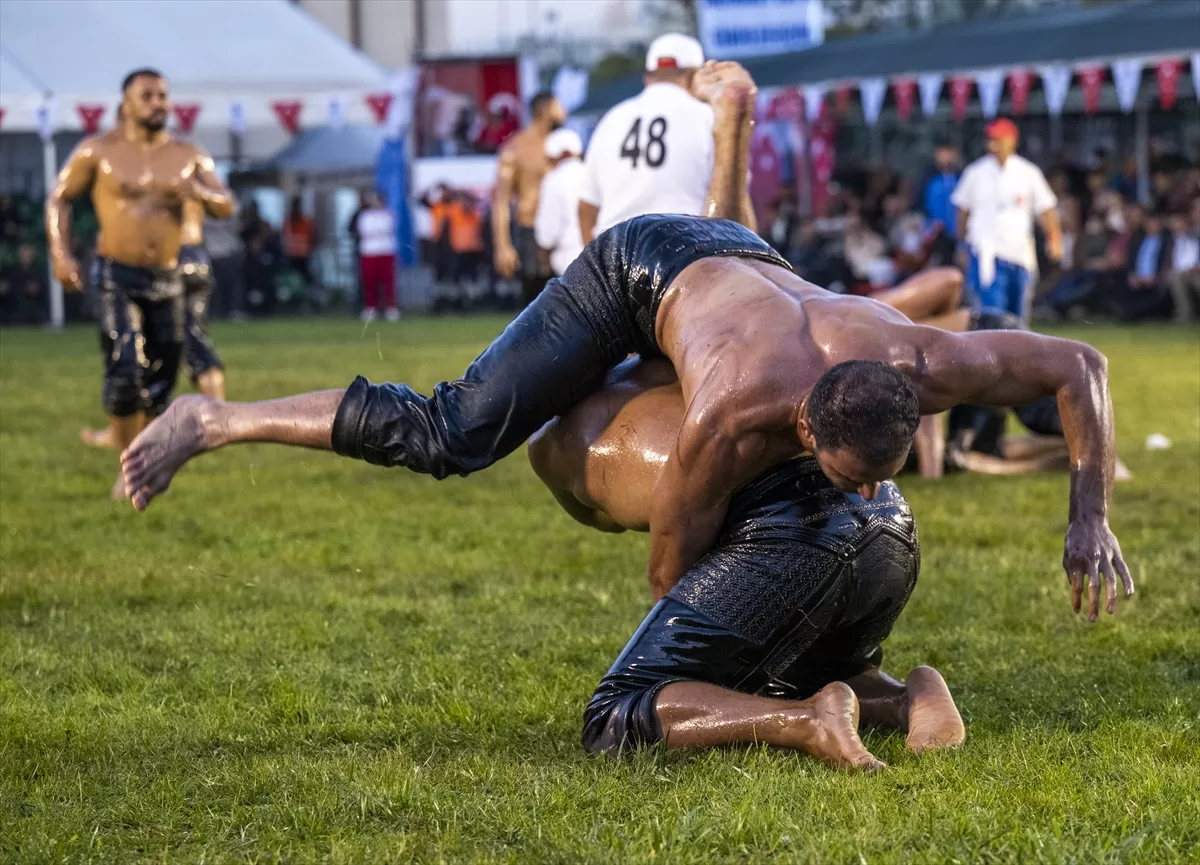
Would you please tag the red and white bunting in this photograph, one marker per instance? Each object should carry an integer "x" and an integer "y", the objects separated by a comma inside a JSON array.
[
  {"x": 960, "y": 95},
  {"x": 1056, "y": 81},
  {"x": 380, "y": 104},
  {"x": 1020, "y": 82},
  {"x": 288, "y": 112},
  {"x": 930, "y": 85},
  {"x": 1127, "y": 76},
  {"x": 90, "y": 115},
  {"x": 814, "y": 98},
  {"x": 991, "y": 85},
  {"x": 842, "y": 99},
  {"x": 871, "y": 91},
  {"x": 337, "y": 112},
  {"x": 186, "y": 114},
  {"x": 1091, "y": 78},
  {"x": 904, "y": 90},
  {"x": 1167, "y": 73}
]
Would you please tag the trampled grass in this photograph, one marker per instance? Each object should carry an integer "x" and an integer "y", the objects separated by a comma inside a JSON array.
[{"x": 296, "y": 658}]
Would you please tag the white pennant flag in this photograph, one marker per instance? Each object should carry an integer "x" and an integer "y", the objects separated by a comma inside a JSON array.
[
  {"x": 237, "y": 118},
  {"x": 872, "y": 91},
  {"x": 45, "y": 121},
  {"x": 930, "y": 85},
  {"x": 990, "y": 84},
  {"x": 1196, "y": 72},
  {"x": 1127, "y": 75},
  {"x": 337, "y": 112},
  {"x": 1056, "y": 81},
  {"x": 814, "y": 95}
]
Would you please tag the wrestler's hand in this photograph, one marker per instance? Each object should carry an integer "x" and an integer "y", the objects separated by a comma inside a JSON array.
[
  {"x": 66, "y": 271},
  {"x": 1092, "y": 549},
  {"x": 724, "y": 81},
  {"x": 506, "y": 260}
]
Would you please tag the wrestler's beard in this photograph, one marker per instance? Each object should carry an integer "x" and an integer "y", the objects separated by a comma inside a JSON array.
[
  {"x": 154, "y": 123},
  {"x": 555, "y": 125}
]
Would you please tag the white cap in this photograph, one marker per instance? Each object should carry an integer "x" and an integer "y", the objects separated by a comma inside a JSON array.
[
  {"x": 563, "y": 141},
  {"x": 674, "y": 51}
]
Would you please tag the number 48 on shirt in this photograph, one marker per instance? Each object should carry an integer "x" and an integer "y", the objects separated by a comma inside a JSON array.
[{"x": 653, "y": 148}]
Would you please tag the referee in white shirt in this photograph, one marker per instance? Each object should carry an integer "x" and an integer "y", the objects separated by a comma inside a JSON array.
[
  {"x": 556, "y": 226},
  {"x": 998, "y": 198},
  {"x": 652, "y": 153}
]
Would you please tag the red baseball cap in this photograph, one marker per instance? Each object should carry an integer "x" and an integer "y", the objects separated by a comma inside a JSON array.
[{"x": 1002, "y": 128}]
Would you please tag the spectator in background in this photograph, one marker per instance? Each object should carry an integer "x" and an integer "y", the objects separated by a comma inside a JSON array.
[
  {"x": 866, "y": 255},
  {"x": 464, "y": 224},
  {"x": 937, "y": 206},
  {"x": 377, "y": 259},
  {"x": 1147, "y": 261},
  {"x": 556, "y": 226},
  {"x": 260, "y": 246},
  {"x": 1125, "y": 183},
  {"x": 1087, "y": 276},
  {"x": 23, "y": 295},
  {"x": 780, "y": 225},
  {"x": 1184, "y": 277},
  {"x": 299, "y": 241},
  {"x": 998, "y": 198},
  {"x": 438, "y": 252}
]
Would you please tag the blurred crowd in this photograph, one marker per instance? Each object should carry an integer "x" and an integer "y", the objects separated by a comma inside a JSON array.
[{"x": 1120, "y": 259}]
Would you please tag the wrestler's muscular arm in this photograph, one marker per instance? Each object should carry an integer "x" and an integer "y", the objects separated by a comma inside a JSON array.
[
  {"x": 730, "y": 90},
  {"x": 217, "y": 200},
  {"x": 74, "y": 180},
  {"x": 506, "y": 260},
  {"x": 1013, "y": 368}
]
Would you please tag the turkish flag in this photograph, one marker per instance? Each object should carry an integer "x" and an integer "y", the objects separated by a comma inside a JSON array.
[
  {"x": 1092, "y": 79},
  {"x": 288, "y": 112},
  {"x": 90, "y": 115},
  {"x": 842, "y": 97},
  {"x": 186, "y": 114},
  {"x": 960, "y": 95},
  {"x": 905, "y": 92},
  {"x": 1020, "y": 82},
  {"x": 1167, "y": 73},
  {"x": 380, "y": 104}
]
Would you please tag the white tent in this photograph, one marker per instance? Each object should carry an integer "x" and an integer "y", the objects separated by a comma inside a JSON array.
[{"x": 215, "y": 53}]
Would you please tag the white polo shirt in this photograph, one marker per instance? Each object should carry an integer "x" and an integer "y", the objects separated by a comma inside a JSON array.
[
  {"x": 650, "y": 154},
  {"x": 1002, "y": 202},
  {"x": 556, "y": 226}
]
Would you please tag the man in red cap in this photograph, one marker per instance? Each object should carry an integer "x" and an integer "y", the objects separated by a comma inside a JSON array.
[{"x": 998, "y": 198}]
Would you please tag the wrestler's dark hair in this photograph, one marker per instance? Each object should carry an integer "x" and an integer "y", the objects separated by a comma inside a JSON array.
[
  {"x": 540, "y": 102},
  {"x": 866, "y": 406},
  {"x": 138, "y": 73}
]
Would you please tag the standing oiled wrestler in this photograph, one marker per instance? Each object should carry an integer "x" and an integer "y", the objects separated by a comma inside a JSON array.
[
  {"x": 140, "y": 179},
  {"x": 771, "y": 367},
  {"x": 774, "y": 635},
  {"x": 522, "y": 165}
]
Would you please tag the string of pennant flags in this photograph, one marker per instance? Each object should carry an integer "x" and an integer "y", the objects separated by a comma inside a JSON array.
[
  {"x": 788, "y": 103},
  {"x": 236, "y": 115}
]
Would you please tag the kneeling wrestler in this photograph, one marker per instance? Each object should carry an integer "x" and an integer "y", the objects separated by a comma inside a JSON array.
[{"x": 774, "y": 636}]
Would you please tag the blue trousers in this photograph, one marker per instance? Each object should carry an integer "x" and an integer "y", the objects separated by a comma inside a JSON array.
[{"x": 1007, "y": 291}]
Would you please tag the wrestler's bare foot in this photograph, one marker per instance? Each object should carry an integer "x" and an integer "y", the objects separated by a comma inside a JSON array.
[
  {"x": 97, "y": 438},
  {"x": 160, "y": 450},
  {"x": 933, "y": 719},
  {"x": 833, "y": 734}
]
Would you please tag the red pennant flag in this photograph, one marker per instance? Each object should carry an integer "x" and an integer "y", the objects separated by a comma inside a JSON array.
[
  {"x": 960, "y": 95},
  {"x": 288, "y": 112},
  {"x": 186, "y": 114},
  {"x": 1, "y": 118},
  {"x": 1020, "y": 82},
  {"x": 1092, "y": 79},
  {"x": 842, "y": 97},
  {"x": 380, "y": 104},
  {"x": 90, "y": 115},
  {"x": 1167, "y": 72},
  {"x": 905, "y": 92}
]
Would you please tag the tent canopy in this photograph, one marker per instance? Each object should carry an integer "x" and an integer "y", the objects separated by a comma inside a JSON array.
[
  {"x": 330, "y": 151},
  {"x": 70, "y": 47},
  {"x": 1067, "y": 35}
]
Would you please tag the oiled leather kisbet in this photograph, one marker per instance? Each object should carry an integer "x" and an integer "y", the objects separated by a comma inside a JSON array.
[
  {"x": 195, "y": 267},
  {"x": 552, "y": 355},
  {"x": 803, "y": 586},
  {"x": 140, "y": 311}
]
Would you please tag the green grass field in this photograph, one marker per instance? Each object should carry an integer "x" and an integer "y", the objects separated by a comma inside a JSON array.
[{"x": 296, "y": 658}]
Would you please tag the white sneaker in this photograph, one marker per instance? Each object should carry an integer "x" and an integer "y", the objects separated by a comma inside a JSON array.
[
  {"x": 368, "y": 314},
  {"x": 392, "y": 314}
]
